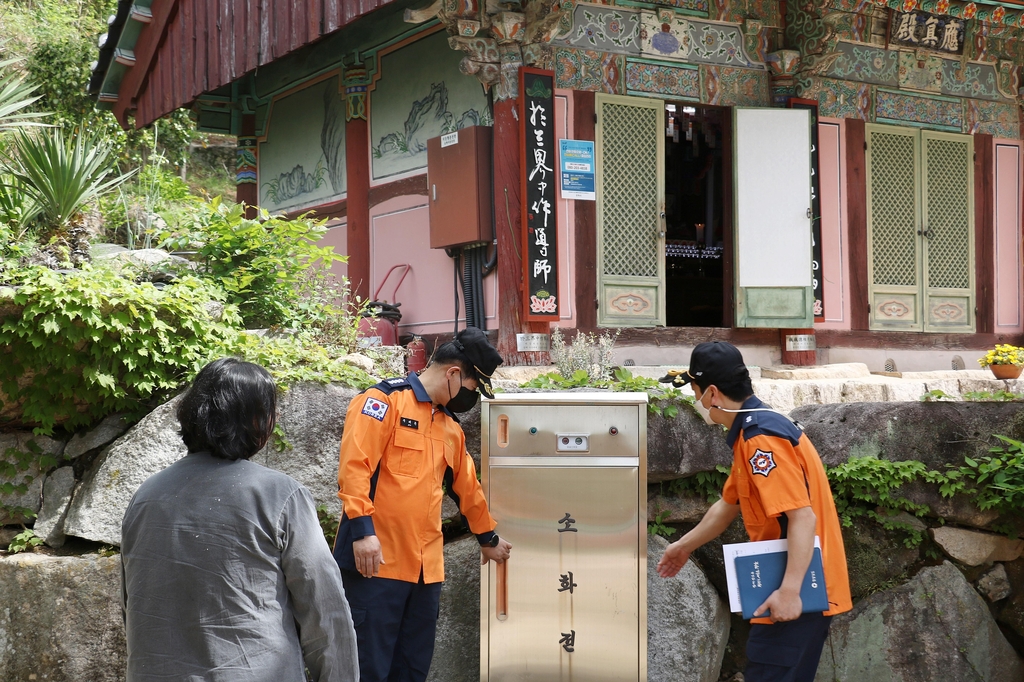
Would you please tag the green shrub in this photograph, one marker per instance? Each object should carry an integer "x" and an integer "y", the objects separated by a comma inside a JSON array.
[
  {"x": 91, "y": 342},
  {"x": 24, "y": 541},
  {"x": 262, "y": 264}
]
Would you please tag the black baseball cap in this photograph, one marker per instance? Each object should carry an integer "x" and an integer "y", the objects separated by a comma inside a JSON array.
[
  {"x": 472, "y": 343},
  {"x": 715, "y": 362}
]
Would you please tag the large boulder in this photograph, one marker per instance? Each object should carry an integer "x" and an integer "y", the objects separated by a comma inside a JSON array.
[
  {"x": 457, "y": 644},
  {"x": 19, "y": 453},
  {"x": 148, "y": 447},
  {"x": 935, "y": 627},
  {"x": 312, "y": 418},
  {"x": 687, "y": 623},
  {"x": 937, "y": 434},
  {"x": 933, "y": 433},
  {"x": 683, "y": 445},
  {"x": 60, "y": 619}
]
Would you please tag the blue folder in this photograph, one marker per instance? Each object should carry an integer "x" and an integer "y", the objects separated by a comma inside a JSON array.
[{"x": 758, "y": 575}]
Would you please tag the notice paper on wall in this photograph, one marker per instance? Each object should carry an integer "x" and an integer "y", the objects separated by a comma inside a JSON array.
[{"x": 576, "y": 158}]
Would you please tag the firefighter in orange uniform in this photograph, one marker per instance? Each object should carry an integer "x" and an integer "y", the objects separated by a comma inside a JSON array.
[
  {"x": 778, "y": 483},
  {"x": 401, "y": 444}
]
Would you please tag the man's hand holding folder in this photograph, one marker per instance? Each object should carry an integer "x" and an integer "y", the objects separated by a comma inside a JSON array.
[{"x": 785, "y": 603}]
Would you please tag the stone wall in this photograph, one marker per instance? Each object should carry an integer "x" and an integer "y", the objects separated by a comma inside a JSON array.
[{"x": 963, "y": 565}]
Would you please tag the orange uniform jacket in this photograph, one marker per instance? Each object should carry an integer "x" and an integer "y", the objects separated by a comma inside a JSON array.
[
  {"x": 396, "y": 452},
  {"x": 776, "y": 469}
]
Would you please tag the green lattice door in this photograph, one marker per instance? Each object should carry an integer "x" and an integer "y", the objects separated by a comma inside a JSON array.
[
  {"x": 948, "y": 231},
  {"x": 920, "y": 230},
  {"x": 630, "y": 211}
]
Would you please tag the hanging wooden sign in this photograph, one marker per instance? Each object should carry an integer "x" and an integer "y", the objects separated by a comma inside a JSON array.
[
  {"x": 539, "y": 170},
  {"x": 817, "y": 281},
  {"x": 917, "y": 29}
]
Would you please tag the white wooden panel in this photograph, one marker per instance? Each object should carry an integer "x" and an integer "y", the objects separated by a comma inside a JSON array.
[
  {"x": 1008, "y": 285},
  {"x": 773, "y": 190}
]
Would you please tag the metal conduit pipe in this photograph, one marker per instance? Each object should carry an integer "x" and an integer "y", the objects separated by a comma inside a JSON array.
[{"x": 468, "y": 295}]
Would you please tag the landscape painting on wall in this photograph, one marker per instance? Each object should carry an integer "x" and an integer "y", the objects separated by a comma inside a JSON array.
[
  {"x": 420, "y": 94},
  {"x": 302, "y": 159}
]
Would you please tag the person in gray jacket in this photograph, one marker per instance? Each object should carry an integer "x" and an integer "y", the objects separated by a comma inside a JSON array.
[{"x": 226, "y": 575}]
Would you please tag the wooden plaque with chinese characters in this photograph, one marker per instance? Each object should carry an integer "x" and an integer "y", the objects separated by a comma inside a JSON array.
[
  {"x": 917, "y": 29},
  {"x": 539, "y": 165}
]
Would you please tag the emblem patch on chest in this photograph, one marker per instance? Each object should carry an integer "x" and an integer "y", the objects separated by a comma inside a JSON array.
[
  {"x": 411, "y": 423},
  {"x": 375, "y": 408},
  {"x": 762, "y": 463}
]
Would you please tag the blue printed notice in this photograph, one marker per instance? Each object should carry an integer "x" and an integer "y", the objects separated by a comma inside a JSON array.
[{"x": 577, "y": 161}]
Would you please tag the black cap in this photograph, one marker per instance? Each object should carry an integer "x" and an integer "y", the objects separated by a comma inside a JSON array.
[
  {"x": 716, "y": 362},
  {"x": 472, "y": 342}
]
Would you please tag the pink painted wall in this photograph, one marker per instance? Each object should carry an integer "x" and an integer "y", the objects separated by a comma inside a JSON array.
[
  {"x": 399, "y": 233},
  {"x": 566, "y": 213},
  {"x": 1008, "y": 258},
  {"x": 337, "y": 236},
  {"x": 835, "y": 261}
]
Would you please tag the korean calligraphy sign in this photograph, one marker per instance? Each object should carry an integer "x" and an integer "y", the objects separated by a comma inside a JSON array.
[
  {"x": 917, "y": 29},
  {"x": 817, "y": 281},
  {"x": 539, "y": 172}
]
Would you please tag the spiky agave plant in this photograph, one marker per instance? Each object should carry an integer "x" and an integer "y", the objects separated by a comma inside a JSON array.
[{"x": 63, "y": 173}]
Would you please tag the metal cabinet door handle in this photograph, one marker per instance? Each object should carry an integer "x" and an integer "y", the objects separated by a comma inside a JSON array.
[{"x": 501, "y": 588}]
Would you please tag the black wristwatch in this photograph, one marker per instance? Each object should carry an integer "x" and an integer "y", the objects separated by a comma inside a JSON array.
[{"x": 494, "y": 541}]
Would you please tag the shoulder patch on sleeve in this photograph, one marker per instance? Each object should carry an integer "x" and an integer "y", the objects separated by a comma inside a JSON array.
[
  {"x": 762, "y": 463},
  {"x": 375, "y": 408}
]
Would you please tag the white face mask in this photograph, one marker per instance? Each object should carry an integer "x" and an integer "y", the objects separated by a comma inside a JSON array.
[{"x": 704, "y": 412}]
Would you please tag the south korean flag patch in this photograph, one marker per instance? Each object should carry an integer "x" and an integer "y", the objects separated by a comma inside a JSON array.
[
  {"x": 761, "y": 463},
  {"x": 377, "y": 409}
]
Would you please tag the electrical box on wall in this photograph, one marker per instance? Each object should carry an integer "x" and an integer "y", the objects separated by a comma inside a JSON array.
[{"x": 459, "y": 187}]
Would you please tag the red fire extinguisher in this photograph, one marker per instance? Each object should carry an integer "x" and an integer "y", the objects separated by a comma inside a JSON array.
[{"x": 417, "y": 359}]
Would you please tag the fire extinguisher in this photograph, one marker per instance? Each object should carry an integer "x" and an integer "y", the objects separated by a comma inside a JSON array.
[{"x": 417, "y": 354}]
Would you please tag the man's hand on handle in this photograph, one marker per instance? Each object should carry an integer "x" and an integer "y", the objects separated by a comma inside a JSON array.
[
  {"x": 496, "y": 554},
  {"x": 368, "y": 556}
]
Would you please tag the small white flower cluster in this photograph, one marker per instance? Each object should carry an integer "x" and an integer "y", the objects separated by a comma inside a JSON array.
[{"x": 588, "y": 352}]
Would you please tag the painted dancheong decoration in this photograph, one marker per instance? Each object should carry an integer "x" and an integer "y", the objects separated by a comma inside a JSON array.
[{"x": 537, "y": 118}]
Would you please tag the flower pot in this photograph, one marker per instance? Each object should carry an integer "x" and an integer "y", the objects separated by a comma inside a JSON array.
[{"x": 1005, "y": 371}]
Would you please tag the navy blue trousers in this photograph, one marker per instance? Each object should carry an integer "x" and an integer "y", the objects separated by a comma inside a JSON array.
[
  {"x": 395, "y": 624},
  {"x": 786, "y": 652}
]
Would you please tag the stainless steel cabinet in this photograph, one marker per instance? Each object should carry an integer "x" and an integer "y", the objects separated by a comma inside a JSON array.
[{"x": 565, "y": 477}]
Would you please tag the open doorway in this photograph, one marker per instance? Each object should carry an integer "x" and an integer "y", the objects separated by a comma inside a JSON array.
[{"x": 695, "y": 138}]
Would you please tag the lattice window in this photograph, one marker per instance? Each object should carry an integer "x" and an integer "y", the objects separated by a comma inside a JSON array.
[
  {"x": 893, "y": 210},
  {"x": 630, "y": 184},
  {"x": 947, "y": 222}
]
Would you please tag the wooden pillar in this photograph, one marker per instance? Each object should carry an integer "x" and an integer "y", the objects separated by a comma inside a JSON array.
[
  {"x": 586, "y": 223},
  {"x": 247, "y": 188},
  {"x": 357, "y": 166},
  {"x": 799, "y": 337},
  {"x": 857, "y": 215},
  {"x": 508, "y": 213},
  {"x": 984, "y": 233}
]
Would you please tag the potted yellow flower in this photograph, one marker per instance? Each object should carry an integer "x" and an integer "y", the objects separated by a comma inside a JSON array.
[{"x": 1004, "y": 360}]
